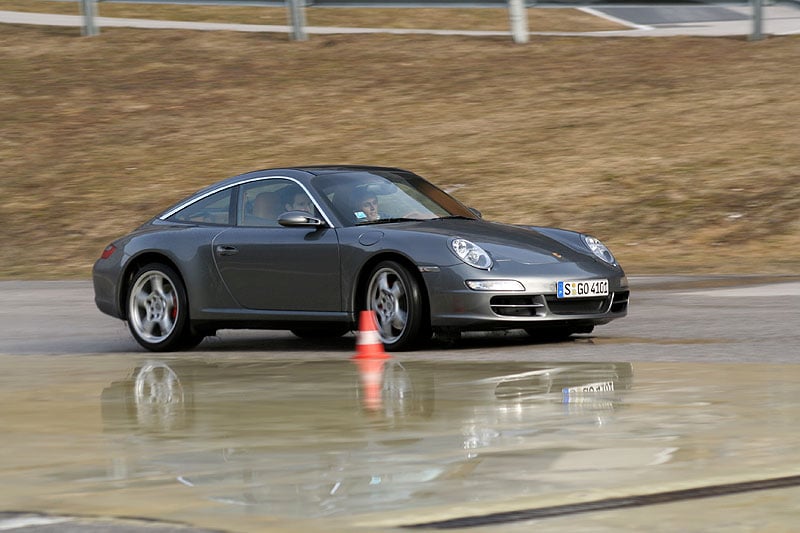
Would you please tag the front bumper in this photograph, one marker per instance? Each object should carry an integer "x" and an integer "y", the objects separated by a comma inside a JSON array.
[{"x": 452, "y": 304}]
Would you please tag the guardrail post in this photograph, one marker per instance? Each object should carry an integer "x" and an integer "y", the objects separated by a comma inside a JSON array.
[
  {"x": 89, "y": 12},
  {"x": 757, "y": 20},
  {"x": 297, "y": 19},
  {"x": 518, "y": 17}
]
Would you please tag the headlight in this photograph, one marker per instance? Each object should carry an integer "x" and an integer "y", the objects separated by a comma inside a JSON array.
[
  {"x": 471, "y": 254},
  {"x": 599, "y": 249}
]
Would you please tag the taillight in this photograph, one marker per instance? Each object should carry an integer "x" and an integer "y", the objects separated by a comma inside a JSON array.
[{"x": 110, "y": 249}]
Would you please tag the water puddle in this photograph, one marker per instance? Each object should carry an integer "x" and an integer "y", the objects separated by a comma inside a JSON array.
[{"x": 238, "y": 443}]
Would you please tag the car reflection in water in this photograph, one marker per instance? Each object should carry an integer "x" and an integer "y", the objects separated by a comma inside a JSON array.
[{"x": 333, "y": 437}]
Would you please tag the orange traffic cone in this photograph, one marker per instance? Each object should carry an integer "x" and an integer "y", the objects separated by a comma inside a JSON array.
[
  {"x": 370, "y": 370},
  {"x": 368, "y": 341}
]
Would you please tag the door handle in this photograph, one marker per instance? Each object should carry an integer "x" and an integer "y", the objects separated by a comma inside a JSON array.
[{"x": 227, "y": 250}]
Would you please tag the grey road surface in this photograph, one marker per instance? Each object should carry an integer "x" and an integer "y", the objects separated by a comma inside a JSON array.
[{"x": 723, "y": 319}]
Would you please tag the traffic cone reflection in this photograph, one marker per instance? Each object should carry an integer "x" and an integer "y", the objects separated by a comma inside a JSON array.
[
  {"x": 370, "y": 358},
  {"x": 368, "y": 341},
  {"x": 370, "y": 372}
]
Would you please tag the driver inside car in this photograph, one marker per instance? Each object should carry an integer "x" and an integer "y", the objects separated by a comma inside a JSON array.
[{"x": 366, "y": 208}]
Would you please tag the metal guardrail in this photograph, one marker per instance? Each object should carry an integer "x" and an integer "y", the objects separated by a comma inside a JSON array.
[
  {"x": 89, "y": 12},
  {"x": 518, "y": 18}
]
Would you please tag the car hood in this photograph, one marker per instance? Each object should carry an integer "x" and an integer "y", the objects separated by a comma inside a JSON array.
[{"x": 505, "y": 242}]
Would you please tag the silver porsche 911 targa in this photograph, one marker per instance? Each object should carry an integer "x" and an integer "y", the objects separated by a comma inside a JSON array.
[{"x": 305, "y": 249}]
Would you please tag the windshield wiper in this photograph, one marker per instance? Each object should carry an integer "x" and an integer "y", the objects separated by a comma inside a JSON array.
[{"x": 458, "y": 217}]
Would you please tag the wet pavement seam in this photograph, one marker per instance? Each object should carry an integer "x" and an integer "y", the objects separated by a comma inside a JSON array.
[{"x": 710, "y": 491}]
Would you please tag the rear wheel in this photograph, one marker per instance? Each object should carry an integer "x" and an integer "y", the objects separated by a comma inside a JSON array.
[
  {"x": 158, "y": 311},
  {"x": 396, "y": 297}
]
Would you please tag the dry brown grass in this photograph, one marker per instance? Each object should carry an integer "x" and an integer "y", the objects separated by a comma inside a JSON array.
[{"x": 682, "y": 153}]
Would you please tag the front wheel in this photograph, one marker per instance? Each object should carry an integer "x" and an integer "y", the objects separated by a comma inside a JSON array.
[
  {"x": 158, "y": 310},
  {"x": 396, "y": 297}
]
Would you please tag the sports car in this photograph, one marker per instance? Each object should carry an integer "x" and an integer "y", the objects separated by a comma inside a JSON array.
[{"x": 307, "y": 248}]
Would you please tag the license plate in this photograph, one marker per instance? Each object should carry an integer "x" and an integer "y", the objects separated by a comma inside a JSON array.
[
  {"x": 589, "y": 388},
  {"x": 582, "y": 289}
]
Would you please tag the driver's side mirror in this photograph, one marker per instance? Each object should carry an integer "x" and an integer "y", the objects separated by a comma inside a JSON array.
[{"x": 292, "y": 219}]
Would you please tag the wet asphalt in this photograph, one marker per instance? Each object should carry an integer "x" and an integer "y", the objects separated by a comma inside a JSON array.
[{"x": 680, "y": 416}]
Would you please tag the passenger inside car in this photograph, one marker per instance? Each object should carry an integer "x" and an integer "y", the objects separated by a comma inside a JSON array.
[
  {"x": 294, "y": 199},
  {"x": 266, "y": 209}
]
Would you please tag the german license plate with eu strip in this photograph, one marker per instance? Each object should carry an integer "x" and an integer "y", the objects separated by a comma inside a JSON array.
[{"x": 582, "y": 289}]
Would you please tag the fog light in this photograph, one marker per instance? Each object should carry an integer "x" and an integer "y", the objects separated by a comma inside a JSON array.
[{"x": 495, "y": 285}]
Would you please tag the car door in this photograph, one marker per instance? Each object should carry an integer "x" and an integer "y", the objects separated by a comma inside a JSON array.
[
  {"x": 271, "y": 267},
  {"x": 281, "y": 269}
]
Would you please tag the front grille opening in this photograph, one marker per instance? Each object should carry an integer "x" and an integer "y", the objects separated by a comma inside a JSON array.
[
  {"x": 578, "y": 306},
  {"x": 620, "y": 301},
  {"x": 517, "y": 305}
]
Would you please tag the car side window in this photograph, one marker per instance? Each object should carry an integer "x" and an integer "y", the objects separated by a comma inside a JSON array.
[
  {"x": 262, "y": 202},
  {"x": 214, "y": 209}
]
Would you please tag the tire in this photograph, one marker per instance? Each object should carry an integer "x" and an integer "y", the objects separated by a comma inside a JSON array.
[
  {"x": 396, "y": 297},
  {"x": 158, "y": 310}
]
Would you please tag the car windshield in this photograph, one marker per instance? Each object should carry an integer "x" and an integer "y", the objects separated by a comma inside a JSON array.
[{"x": 375, "y": 197}]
